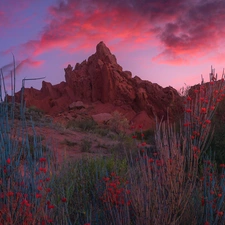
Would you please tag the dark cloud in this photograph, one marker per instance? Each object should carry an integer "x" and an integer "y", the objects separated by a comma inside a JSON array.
[
  {"x": 183, "y": 28},
  {"x": 199, "y": 29}
]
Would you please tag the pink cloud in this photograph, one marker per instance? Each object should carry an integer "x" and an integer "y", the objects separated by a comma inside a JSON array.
[
  {"x": 182, "y": 30},
  {"x": 3, "y": 19},
  {"x": 74, "y": 24},
  {"x": 197, "y": 32}
]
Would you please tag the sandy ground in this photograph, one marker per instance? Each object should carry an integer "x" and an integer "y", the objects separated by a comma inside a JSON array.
[{"x": 72, "y": 144}]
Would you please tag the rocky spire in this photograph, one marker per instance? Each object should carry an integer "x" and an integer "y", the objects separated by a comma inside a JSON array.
[{"x": 103, "y": 53}]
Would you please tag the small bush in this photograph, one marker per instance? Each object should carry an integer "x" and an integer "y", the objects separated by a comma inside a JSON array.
[
  {"x": 85, "y": 145},
  {"x": 69, "y": 143},
  {"x": 118, "y": 123},
  {"x": 83, "y": 125}
]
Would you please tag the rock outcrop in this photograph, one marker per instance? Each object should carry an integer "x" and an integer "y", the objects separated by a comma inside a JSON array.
[{"x": 101, "y": 79}]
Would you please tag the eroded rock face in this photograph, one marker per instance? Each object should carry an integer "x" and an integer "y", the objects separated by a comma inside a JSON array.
[{"x": 101, "y": 78}]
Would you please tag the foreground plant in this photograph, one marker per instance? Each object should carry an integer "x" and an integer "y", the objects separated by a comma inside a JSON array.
[
  {"x": 24, "y": 183},
  {"x": 163, "y": 182},
  {"x": 174, "y": 183},
  {"x": 24, "y": 172}
]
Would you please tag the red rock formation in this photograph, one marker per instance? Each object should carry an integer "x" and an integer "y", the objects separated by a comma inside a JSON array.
[{"x": 101, "y": 79}]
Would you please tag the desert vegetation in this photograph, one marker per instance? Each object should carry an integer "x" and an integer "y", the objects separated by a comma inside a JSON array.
[{"x": 171, "y": 175}]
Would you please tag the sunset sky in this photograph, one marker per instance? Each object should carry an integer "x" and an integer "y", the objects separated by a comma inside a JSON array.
[{"x": 169, "y": 42}]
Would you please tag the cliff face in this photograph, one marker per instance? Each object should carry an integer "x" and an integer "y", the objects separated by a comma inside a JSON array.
[{"x": 100, "y": 79}]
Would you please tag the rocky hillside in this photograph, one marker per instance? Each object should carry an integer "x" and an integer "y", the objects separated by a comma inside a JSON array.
[{"x": 100, "y": 85}]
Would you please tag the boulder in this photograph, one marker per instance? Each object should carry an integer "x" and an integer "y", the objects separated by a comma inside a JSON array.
[
  {"x": 77, "y": 105},
  {"x": 102, "y": 118}
]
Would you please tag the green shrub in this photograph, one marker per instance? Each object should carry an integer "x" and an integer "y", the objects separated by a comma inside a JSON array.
[
  {"x": 83, "y": 125},
  {"x": 118, "y": 123},
  {"x": 85, "y": 145},
  {"x": 69, "y": 143}
]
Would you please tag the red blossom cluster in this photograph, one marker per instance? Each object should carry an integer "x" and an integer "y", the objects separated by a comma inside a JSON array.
[
  {"x": 20, "y": 205},
  {"x": 214, "y": 190},
  {"x": 200, "y": 106},
  {"x": 115, "y": 192}
]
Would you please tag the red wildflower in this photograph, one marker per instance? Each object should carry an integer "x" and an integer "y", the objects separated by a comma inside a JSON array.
[
  {"x": 106, "y": 179},
  {"x": 51, "y": 206},
  {"x": 1, "y": 195},
  {"x": 48, "y": 190},
  {"x": 113, "y": 174},
  {"x": 196, "y": 91},
  {"x": 195, "y": 156},
  {"x": 188, "y": 110},
  {"x": 43, "y": 170},
  {"x": 203, "y": 110},
  {"x": 39, "y": 188},
  {"x": 19, "y": 194},
  {"x": 151, "y": 160},
  {"x": 219, "y": 213},
  {"x": 112, "y": 184},
  {"x": 38, "y": 195},
  {"x": 8, "y": 161},
  {"x": 26, "y": 203},
  {"x": 208, "y": 121},
  {"x": 201, "y": 99},
  {"x": 159, "y": 162},
  {"x": 187, "y": 124},
  {"x": 42, "y": 159},
  {"x": 63, "y": 199},
  {"x": 128, "y": 192},
  {"x": 9, "y": 194},
  {"x": 189, "y": 98},
  {"x": 203, "y": 201},
  {"x": 129, "y": 202},
  {"x": 196, "y": 149}
]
